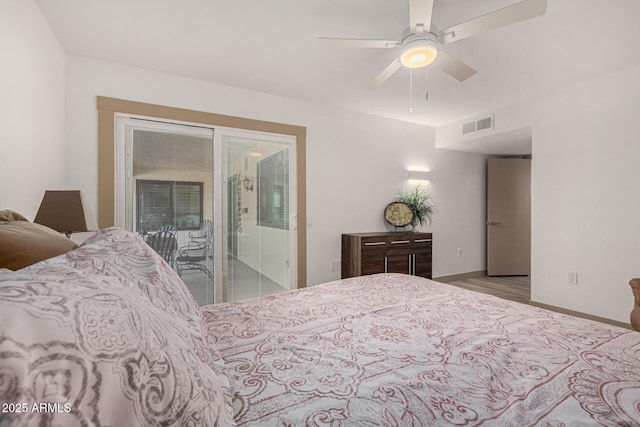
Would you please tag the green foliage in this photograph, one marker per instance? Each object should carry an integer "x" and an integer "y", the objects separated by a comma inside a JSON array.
[{"x": 420, "y": 202}]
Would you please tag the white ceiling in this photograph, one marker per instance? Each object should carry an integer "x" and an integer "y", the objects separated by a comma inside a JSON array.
[{"x": 270, "y": 46}]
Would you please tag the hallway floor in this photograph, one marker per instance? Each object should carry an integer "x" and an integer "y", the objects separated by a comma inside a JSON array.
[{"x": 243, "y": 282}]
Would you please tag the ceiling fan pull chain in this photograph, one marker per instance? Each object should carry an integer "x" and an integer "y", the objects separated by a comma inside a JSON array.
[
  {"x": 411, "y": 91},
  {"x": 426, "y": 79}
]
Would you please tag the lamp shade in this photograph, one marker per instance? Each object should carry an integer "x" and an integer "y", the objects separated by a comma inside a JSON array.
[{"x": 65, "y": 212}]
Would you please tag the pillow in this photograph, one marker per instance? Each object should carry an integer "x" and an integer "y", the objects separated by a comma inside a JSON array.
[
  {"x": 8, "y": 216},
  {"x": 119, "y": 254},
  {"x": 23, "y": 243},
  {"x": 102, "y": 354}
]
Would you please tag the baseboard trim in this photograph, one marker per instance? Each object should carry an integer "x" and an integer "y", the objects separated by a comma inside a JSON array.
[
  {"x": 461, "y": 276},
  {"x": 482, "y": 273},
  {"x": 580, "y": 314}
]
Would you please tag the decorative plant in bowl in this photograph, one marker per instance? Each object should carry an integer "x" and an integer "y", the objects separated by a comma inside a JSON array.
[{"x": 420, "y": 201}]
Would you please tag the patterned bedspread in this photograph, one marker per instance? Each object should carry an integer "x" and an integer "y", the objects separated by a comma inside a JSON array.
[
  {"x": 396, "y": 350},
  {"x": 108, "y": 335}
]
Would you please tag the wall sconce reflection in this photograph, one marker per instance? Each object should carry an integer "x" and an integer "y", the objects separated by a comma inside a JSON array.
[{"x": 247, "y": 183}]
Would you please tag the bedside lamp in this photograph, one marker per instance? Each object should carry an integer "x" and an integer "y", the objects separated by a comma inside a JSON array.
[{"x": 65, "y": 212}]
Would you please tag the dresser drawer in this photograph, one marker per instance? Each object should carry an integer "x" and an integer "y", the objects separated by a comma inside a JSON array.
[
  {"x": 373, "y": 243},
  {"x": 421, "y": 242}
]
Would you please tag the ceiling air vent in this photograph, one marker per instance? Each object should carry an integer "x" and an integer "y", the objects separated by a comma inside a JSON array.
[
  {"x": 469, "y": 127},
  {"x": 485, "y": 123},
  {"x": 476, "y": 125}
]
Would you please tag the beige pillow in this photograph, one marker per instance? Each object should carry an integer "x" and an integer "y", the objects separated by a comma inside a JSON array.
[
  {"x": 8, "y": 216},
  {"x": 23, "y": 243}
]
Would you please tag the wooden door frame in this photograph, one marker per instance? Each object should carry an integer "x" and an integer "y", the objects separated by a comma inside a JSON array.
[{"x": 109, "y": 107}]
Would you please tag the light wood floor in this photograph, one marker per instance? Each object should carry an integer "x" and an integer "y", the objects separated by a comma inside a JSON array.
[
  {"x": 514, "y": 288},
  {"x": 518, "y": 288}
]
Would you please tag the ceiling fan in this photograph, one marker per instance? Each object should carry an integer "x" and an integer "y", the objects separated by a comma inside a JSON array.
[{"x": 419, "y": 43}]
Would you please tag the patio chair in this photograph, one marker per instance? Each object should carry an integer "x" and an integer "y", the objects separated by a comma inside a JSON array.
[
  {"x": 195, "y": 254},
  {"x": 165, "y": 244},
  {"x": 170, "y": 228},
  {"x": 205, "y": 227}
]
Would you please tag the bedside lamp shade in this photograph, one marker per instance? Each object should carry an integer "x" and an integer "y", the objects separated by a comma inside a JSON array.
[{"x": 65, "y": 212}]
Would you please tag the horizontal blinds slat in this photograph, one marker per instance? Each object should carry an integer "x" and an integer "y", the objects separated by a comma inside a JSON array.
[{"x": 169, "y": 203}]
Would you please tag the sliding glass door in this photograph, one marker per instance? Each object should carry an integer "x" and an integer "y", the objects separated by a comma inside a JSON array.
[{"x": 226, "y": 196}]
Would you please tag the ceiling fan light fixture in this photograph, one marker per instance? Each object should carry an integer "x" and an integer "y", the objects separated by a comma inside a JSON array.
[{"x": 418, "y": 53}]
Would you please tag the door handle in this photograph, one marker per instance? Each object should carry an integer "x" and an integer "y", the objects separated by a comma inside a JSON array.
[{"x": 493, "y": 223}]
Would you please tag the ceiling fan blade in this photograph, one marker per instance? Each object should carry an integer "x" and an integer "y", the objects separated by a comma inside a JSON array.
[
  {"x": 452, "y": 66},
  {"x": 518, "y": 12},
  {"x": 420, "y": 12},
  {"x": 385, "y": 74},
  {"x": 380, "y": 44}
]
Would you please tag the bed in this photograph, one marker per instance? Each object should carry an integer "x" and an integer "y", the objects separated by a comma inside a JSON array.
[{"x": 106, "y": 334}]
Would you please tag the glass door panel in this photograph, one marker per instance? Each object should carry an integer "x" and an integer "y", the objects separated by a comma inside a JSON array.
[
  {"x": 165, "y": 183},
  {"x": 258, "y": 245}
]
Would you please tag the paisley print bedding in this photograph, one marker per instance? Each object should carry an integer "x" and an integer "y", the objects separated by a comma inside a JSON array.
[
  {"x": 396, "y": 350},
  {"x": 108, "y": 335}
]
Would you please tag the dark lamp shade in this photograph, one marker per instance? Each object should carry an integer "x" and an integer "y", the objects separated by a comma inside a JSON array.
[{"x": 65, "y": 212}]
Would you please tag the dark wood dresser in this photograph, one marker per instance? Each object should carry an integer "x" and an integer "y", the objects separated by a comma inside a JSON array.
[{"x": 386, "y": 252}]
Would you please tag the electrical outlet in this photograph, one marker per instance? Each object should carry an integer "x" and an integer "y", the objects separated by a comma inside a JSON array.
[
  {"x": 459, "y": 252},
  {"x": 334, "y": 265},
  {"x": 572, "y": 277}
]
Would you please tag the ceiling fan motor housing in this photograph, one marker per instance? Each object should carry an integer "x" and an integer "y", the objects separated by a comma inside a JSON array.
[{"x": 418, "y": 50}]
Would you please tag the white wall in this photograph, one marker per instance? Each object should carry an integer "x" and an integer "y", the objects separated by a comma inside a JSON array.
[
  {"x": 355, "y": 162},
  {"x": 32, "y": 102},
  {"x": 586, "y": 196},
  {"x": 585, "y": 191}
]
